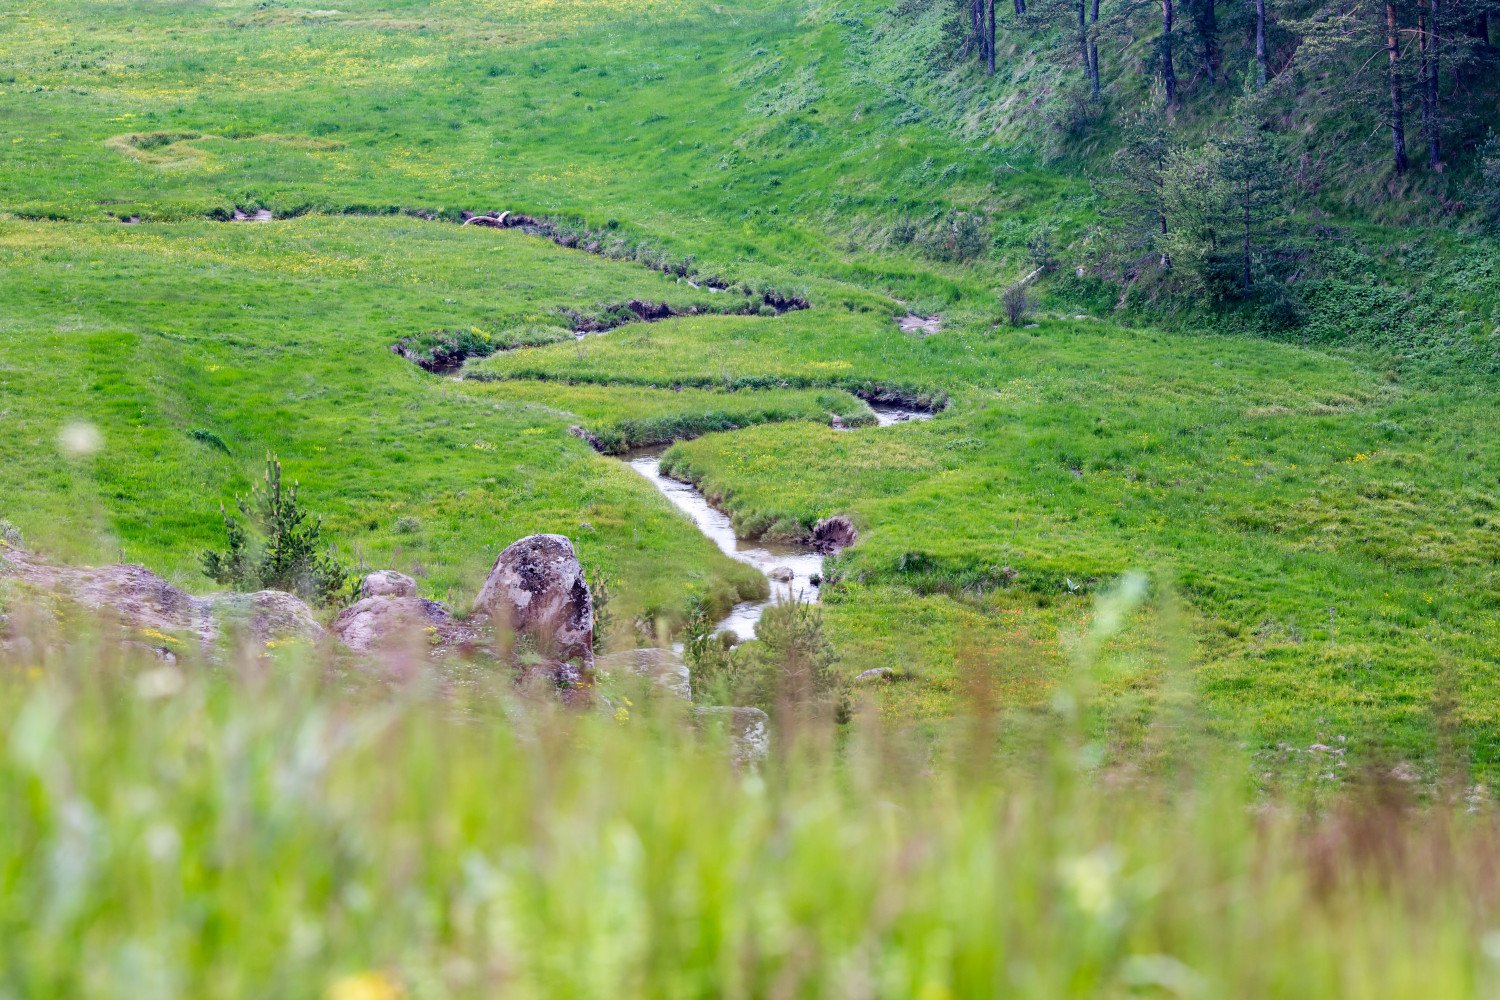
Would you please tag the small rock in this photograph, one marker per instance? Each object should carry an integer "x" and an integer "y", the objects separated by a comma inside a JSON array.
[
  {"x": 782, "y": 574},
  {"x": 660, "y": 665},
  {"x": 925, "y": 325},
  {"x": 391, "y": 623},
  {"x": 267, "y": 615},
  {"x": 387, "y": 583},
  {"x": 877, "y": 674},
  {"x": 749, "y": 730}
]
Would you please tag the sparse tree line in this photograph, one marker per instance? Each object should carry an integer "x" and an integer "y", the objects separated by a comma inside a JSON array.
[
  {"x": 1422, "y": 71},
  {"x": 1228, "y": 118}
]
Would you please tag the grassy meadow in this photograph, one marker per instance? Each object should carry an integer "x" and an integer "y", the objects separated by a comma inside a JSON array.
[
  {"x": 1193, "y": 626},
  {"x": 1326, "y": 512}
]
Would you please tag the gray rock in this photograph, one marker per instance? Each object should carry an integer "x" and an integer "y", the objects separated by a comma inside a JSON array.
[
  {"x": 265, "y": 615},
  {"x": 661, "y": 665},
  {"x": 387, "y": 583},
  {"x": 537, "y": 590},
  {"x": 782, "y": 574},
  {"x": 137, "y": 598},
  {"x": 749, "y": 730},
  {"x": 391, "y": 624},
  {"x": 877, "y": 674}
]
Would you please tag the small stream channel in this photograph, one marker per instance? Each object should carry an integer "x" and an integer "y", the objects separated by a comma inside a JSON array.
[{"x": 802, "y": 561}]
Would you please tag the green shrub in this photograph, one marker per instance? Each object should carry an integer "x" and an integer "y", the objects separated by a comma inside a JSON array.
[
  {"x": 209, "y": 438},
  {"x": 958, "y": 237},
  {"x": 289, "y": 556}
]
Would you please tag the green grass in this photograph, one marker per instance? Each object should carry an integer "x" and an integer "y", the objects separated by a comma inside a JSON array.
[
  {"x": 263, "y": 829},
  {"x": 275, "y": 338},
  {"x": 620, "y": 418},
  {"x": 1326, "y": 510}
]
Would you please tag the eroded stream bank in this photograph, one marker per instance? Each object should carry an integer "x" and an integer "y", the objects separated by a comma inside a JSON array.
[{"x": 792, "y": 570}]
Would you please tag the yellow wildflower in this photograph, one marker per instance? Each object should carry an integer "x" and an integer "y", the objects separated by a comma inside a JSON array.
[{"x": 365, "y": 986}]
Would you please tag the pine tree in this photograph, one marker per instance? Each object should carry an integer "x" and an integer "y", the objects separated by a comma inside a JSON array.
[
  {"x": 292, "y": 557},
  {"x": 1134, "y": 199},
  {"x": 1253, "y": 169}
]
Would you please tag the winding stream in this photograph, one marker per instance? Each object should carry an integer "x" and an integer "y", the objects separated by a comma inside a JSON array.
[{"x": 802, "y": 562}]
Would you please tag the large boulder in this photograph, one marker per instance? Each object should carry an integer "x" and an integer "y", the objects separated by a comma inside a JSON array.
[
  {"x": 387, "y": 583},
  {"x": 833, "y": 534},
  {"x": 663, "y": 666},
  {"x": 266, "y": 615},
  {"x": 537, "y": 590},
  {"x": 392, "y": 624}
]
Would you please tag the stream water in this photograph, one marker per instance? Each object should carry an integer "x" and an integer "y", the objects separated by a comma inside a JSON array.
[{"x": 772, "y": 560}]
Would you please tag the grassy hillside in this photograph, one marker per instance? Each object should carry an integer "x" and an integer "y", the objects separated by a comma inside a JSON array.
[{"x": 1325, "y": 511}]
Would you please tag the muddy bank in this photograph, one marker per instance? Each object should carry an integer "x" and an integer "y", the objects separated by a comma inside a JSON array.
[
  {"x": 608, "y": 242},
  {"x": 877, "y": 394},
  {"x": 633, "y": 435},
  {"x": 611, "y": 317},
  {"x": 443, "y": 352}
]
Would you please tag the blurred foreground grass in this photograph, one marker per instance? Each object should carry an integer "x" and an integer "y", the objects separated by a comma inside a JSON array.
[{"x": 279, "y": 826}]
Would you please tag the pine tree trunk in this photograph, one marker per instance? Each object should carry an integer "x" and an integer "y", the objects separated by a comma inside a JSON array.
[
  {"x": 1434, "y": 138},
  {"x": 1168, "y": 74},
  {"x": 1092, "y": 55},
  {"x": 1260, "y": 44},
  {"x": 1245, "y": 275},
  {"x": 1083, "y": 38},
  {"x": 1424, "y": 66},
  {"x": 990, "y": 31},
  {"x": 1398, "y": 124},
  {"x": 1209, "y": 30}
]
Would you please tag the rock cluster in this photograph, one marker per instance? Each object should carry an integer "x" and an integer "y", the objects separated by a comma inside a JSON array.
[{"x": 138, "y": 599}]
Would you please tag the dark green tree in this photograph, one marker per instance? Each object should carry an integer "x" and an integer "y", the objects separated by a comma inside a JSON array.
[
  {"x": 1134, "y": 194},
  {"x": 291, "y": 557}
]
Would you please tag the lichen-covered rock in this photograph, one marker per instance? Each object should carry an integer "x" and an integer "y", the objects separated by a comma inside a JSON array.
[
  {"x": 537, "y": 590},
  {"x": 663, "y": 666},
  {"x": 748, "y": 729},
  {"x": 833, "y": 534},
  {"x": 387, "y": 583},
  {"x": 266, "y": 615},
  {"x": 138, "y": 599},
  {"x": 395, "y": 623}
]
